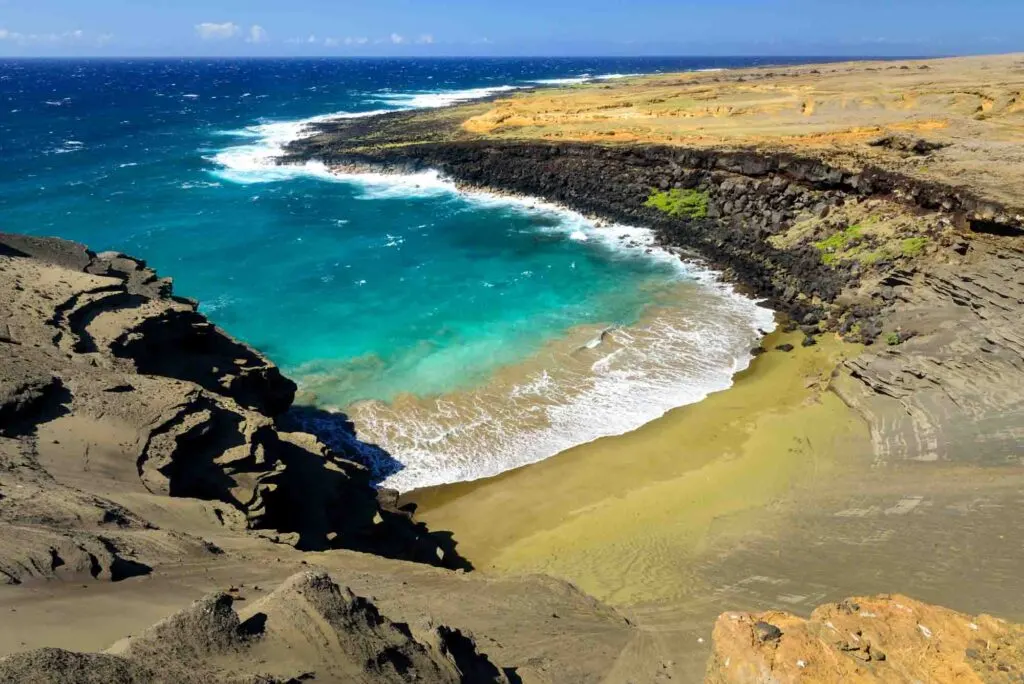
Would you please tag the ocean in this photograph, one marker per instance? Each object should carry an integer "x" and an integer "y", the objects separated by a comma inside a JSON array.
[{"x": 464, "y": 334}]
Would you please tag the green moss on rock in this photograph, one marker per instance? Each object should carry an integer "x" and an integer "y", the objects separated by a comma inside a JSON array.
[
  {"x": 691, "y": 203},
  {"x": 912, "y": 247}
]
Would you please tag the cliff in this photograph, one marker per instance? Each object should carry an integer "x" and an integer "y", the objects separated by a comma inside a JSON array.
[{"x": 142, "y": 396}]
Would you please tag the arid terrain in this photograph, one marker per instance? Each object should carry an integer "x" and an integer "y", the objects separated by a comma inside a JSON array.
[{"x": 874, "y": 447}]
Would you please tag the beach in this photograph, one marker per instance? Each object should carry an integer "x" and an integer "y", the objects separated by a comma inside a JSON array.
[{"x": 623, "y": 517}]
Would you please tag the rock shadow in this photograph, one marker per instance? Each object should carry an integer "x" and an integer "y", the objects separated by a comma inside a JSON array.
[
  {"x": 338, "y": 432},
  {"x": 374, "y": 523},
  {"x": 29, "y": 403},
  {"x": 185, "y": 346}
]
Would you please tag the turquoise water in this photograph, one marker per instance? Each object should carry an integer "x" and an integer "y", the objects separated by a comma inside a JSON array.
[{"x": 368, "y": 290}]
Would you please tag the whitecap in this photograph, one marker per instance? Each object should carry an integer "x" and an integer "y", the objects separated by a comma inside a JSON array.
[
  {"x": 438, "y": 98},
  {"x": 68, "y": 147},
  {"x": 192, "y": 185},
  {"x": 257, "y": 162},
  {"x": 583, "y": 78}
]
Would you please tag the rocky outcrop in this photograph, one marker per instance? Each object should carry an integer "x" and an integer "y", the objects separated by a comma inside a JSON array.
[
  {"x": 885, "y": 638},
  {"x": 952, "y": 391},
  {"x": 309, "y": 628},
  {"x": 112, "y": 387}
]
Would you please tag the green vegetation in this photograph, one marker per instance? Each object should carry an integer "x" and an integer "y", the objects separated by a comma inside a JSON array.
[
  {"x": 892, "y": 339},
  {"x": 691, "y": 204},
  {"x": 840, "y": 240},
  {"x": 872, "y": 257},
  {"x": 911, "y": 247},
  {"x": 834, "y": 244},
  {"x": 850, "y": 244}
]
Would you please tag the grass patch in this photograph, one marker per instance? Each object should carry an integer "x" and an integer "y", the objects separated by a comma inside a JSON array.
[
  {"x": 834, "y": 245},
  {"x": 912, "y": 247},
  {"x": 892, "y": 339},
  {"x": 691, "y": 204},
  {"x": 872, "y": 257}
]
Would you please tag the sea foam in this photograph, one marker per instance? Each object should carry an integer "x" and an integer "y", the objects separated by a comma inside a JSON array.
[
  {"x": 615, "y": 382},
  {"x": 439, "y": 98}
]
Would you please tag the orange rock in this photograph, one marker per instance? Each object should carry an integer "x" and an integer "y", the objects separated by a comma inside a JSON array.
[{"x": 887, "y": 638}]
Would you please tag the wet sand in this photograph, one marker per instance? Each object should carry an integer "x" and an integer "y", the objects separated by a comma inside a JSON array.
[{"x": 625, "y": 517}]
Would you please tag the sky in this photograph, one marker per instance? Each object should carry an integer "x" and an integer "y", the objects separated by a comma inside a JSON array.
[{"x": 503, "y": 28}]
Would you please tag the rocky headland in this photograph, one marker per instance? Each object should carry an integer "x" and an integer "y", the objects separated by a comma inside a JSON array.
[{"x": 147, "y": 458}]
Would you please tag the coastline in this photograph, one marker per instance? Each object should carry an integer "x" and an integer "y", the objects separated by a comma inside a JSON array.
[
  {"x": 376, "y": 424},
  {"x": 830, "y": 471},
  {"x": 622, "y": 517},
  {"x": 782, "y": 185}
]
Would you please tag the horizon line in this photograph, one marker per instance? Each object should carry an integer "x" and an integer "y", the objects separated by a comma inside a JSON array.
[{"x": 532, "y": 56}]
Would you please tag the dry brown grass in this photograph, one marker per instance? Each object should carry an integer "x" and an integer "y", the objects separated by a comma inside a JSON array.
[{"x": 975, "y": 105}]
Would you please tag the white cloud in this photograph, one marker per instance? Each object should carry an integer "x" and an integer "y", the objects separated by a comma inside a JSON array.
[
  {"x": 356, "y": 41},
  {"x": 425, "y": 39},
  {"x": 257, "y": 34},
  {"x": 311, "y": 39},
  {"x": 77, "y": 36},
  {"x": 332, "y": 42},
  {"x": 397, "y": 39},
  {"x": 210, "y": 31}
]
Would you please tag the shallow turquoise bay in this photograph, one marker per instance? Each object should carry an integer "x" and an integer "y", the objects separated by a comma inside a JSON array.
[{"x": 382, "y": 287}]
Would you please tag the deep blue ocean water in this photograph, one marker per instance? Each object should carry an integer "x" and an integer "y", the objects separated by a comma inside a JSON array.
[{"x": 365, "y": 289}]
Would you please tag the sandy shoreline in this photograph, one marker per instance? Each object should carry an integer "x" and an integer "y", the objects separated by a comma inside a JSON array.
[{"x": 622, "y": 516}]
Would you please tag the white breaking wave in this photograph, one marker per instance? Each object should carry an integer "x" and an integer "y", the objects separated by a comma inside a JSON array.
[
  {"x": 438, "y": 98},
  {"x": 257, "y": 162},
  {"x": 582, "y": 78},
  {"x": 661, "y": 364}
]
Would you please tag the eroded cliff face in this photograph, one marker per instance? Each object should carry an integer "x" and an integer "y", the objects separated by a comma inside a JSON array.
[
  {"x": 113, "y": 391},
  {"x": 887, "y": 638}
]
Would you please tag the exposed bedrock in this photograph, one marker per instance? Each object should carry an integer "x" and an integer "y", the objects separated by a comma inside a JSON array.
[
  {"x": 886, "y": 638},
  {"x": 928, "y": 275},
  {"x": 112, "y": 389}
]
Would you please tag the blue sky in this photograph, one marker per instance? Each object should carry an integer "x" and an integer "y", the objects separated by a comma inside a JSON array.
[{"x": 519, "y": 27}]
